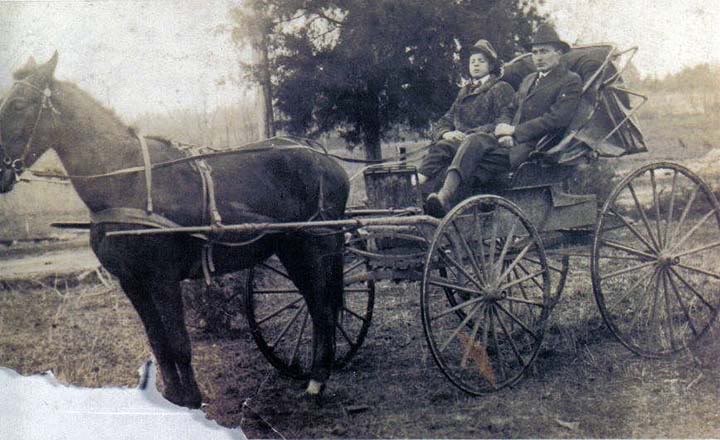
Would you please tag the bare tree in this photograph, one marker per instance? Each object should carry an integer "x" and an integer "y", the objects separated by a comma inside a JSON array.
[{"x": 253, "y": 27}]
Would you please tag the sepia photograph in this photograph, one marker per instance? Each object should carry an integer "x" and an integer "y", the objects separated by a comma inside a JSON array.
[{"x": 278, "y": 219}]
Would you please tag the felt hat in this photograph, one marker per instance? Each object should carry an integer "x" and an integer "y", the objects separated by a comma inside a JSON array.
[
  {"x": 484, "y": 47},
  {"x": 546, "y": 34}
]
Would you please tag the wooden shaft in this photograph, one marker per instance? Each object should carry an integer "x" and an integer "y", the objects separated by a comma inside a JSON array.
[{"x": 287, "y": 227}]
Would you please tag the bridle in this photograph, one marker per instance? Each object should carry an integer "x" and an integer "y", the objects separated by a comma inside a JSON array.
[{"x": 18, "y": 164}]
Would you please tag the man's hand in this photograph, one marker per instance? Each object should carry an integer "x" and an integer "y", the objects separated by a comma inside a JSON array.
[
  {"x": 504, "y": 130},
  {"x": 506, "y": 141},
  {"x": 454, "y": 135}
]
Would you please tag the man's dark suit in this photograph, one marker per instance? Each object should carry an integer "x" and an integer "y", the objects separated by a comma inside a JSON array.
[
  {"x": 544, "y": 106},
  {"x": 541, "y": 107}
]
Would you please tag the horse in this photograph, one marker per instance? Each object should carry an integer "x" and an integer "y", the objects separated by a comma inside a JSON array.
[{"x": 108, "y": 167}]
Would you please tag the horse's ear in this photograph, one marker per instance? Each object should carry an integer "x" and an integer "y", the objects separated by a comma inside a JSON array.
[
  {"x": 48, "y": 69},
  {"x": 25, "y": 70}
]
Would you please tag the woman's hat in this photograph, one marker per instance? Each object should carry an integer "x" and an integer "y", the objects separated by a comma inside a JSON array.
[
  {"x": 484, "y": 47},
  {"x": 546, "y": 34}
]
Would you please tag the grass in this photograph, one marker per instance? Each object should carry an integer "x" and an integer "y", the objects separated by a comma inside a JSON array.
[{"x": 87, "y": 334}]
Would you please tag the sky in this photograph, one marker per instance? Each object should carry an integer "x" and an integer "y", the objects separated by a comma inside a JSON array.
[
  {"x": 161, "y": 55},
  {"x": 670, "y": 34},
  {"x": 134, "y": 56}
]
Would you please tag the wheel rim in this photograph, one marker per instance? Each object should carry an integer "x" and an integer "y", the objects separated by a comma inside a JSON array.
[
  {"x": 484, "y": 307},
  {"x": 281, "y": 325},
  {"x": 653, "y": 274}
]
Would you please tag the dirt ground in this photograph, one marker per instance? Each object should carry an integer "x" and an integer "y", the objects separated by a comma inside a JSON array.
[{"x": 584, "y": 384}]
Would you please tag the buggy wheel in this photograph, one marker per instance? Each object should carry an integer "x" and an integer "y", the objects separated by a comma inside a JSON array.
[
  {"x": 281, "y": 325},
  {"x": 486, "y": 294},
  {"x": 654, "y": 263}
]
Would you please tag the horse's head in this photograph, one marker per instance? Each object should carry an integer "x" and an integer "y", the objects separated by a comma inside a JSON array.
[{"x": 26, "y": 115}]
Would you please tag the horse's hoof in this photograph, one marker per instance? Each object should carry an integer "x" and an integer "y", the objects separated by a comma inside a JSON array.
[
  {"x": 315, "y": 388},
  {"x": 192, "y": 402},
  {"x": 174, "y": 398},
  {"x": 314, "y": 393}
]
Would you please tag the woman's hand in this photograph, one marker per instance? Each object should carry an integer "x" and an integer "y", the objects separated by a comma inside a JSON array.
[
  {"x": 504, "y": 130},
  {"x": 454, "y": 135},
  {"x": 506, "y": 141}
]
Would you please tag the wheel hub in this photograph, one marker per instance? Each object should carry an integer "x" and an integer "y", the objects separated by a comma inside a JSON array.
[
  {"x": 495, "y": 294},
  {"x": 666, "y": 259}
]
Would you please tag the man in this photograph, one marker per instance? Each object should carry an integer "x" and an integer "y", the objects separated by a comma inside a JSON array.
[{"x": 544, "y": 105}]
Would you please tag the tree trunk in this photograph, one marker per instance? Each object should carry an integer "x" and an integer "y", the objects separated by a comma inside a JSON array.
[
  {"x": 372, "y": 145},
  {"x": 371, "y": 126},
  {"x": 268, "y": 119}
]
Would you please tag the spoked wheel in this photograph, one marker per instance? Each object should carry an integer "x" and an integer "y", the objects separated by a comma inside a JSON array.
[
  {"x": 654, "y": 260},
  {"x": 281, "y": 324},
  {"x": 486, "y": 294}
]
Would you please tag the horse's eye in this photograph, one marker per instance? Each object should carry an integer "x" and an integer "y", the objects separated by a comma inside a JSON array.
[{"x": 19, "y": 105}]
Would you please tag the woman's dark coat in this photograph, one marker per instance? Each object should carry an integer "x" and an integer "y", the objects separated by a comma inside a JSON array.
[{"x": 477, "y": 109}]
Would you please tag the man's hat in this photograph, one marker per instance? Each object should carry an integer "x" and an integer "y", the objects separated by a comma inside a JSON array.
[
  {"x": 484, "y": 47},
  {"x": 546, "y": 34}
]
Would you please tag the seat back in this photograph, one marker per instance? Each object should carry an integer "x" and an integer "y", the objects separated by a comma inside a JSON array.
[{"x": 604, "y": 124}]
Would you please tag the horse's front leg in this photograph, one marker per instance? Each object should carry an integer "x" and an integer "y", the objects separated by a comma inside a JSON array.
[
  {"x": 157, "y": 337},
  {"x": 159, "y": 305},
  {"x": 166, "y": 295}
]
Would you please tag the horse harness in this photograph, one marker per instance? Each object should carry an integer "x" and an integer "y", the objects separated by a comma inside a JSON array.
[
  {"x": 147, "y": 217},
  {"x": 129, "y": 215}
]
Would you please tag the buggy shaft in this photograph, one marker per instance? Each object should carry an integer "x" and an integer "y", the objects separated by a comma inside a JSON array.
[{"x": 286, "y": 227}]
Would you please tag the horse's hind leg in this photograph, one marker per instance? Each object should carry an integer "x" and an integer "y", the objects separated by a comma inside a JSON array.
[
  {"x": 159, "y": 305},
  {"x": 315, "y": 265}
]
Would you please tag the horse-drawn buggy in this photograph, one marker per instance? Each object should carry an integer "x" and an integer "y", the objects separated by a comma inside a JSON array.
[
  {"x": 493, "y": 268},
  {"x": 489, "y": 272}
]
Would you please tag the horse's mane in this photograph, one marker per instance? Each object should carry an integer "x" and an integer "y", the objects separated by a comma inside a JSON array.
[
  {"x": 109, "y": 113},
  {"x": 93, "y": 102}
]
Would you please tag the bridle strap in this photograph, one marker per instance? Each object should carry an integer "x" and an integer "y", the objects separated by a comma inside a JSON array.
[
  {"x": 147, "y": 166},
  {"x": 19, "y": 163}
]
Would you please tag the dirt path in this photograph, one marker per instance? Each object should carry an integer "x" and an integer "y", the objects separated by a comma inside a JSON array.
[{"x": 44, "y": 263}]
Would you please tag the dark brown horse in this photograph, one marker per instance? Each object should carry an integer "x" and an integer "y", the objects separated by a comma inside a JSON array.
[{"x": 276, "y": 185}]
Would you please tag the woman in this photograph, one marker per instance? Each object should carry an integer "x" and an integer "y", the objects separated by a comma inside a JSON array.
[{"x": 476, "y": 109}]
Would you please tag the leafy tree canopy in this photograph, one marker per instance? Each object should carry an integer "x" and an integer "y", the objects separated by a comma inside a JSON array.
[{"x": 363, "y": 66}]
